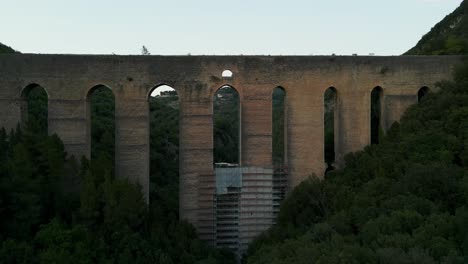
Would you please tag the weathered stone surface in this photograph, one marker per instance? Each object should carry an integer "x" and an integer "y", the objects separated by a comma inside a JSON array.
[{"x": 68, "y": 79}]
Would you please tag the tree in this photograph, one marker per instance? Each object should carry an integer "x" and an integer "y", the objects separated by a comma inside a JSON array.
[{"x": 144, "y": 51}]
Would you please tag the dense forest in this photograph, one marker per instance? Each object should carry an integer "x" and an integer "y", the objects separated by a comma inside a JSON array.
[
  {"x": 449, "y": 36},
  {"x": 5, "y": 49}
]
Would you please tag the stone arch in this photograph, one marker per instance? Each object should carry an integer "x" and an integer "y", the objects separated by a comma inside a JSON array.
[
  {"x": 330, "y": 125},
  {"x": 227, "y": 105},
  {"x": 34, "y": 101},
  {"x": 422, "y": 92},
  {"x": 162, "y": 87},
  {"x": 376, "y": 114},
  {"x": 158, "y": 86},
  {"x": 215, "y": 89},
  {"x": 100, "y": 118}
]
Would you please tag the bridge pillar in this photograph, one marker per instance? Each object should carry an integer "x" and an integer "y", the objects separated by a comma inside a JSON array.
[
  {"x": 256, "y": 198},
  {"x": 305, "y": 132},
  {"x": 68, "y": 119},
  {"x": 256, "y": 126},
  {"x": 132, "y": 140},
  {"x": 395, "y": 106},
  {"x": 68, "y": 116},
  {"x": 10, "y": 104},
  {"x": 197, "y": 180},
  {"x": 354, "y": 118},
  {"x": 11, "y": 113}
]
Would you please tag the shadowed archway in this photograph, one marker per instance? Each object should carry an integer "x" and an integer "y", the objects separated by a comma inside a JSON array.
[
  {"x": 376, "y": 114},
  {"x": 34, "y": 108},
  {"x": 329, "y": 126},
  {"x": 101, "y": 124}
]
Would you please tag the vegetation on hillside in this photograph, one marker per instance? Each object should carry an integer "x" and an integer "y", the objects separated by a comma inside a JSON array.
[
  {"x": 449, "y": 36},
  {"x": 5, "y": 49}
]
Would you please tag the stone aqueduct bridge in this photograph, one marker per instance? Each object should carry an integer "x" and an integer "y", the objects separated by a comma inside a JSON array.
[{"x": 69, "y": 78}]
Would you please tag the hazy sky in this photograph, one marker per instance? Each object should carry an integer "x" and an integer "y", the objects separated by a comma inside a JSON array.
[{"x": 302, "y": 27}]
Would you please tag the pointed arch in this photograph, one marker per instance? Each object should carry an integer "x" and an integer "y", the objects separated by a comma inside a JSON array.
[
  {"x": 376, "y": 114},
  {"x": 226, "y": 125},
  {"x": 34, "y": 108},
  {"x": 100, "y": 101},
  {"x": 330, "y": 120},
  {"x": 164, "y": 87}
]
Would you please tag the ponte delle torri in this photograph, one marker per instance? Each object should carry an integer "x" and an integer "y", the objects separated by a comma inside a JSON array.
[{"x": 68, "y": 79}]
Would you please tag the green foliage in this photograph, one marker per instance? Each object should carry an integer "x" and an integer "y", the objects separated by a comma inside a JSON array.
[
  {"x": 5, "y": 49},
  {"x": 36, "y": 99},
  {"x": 401, "y": 201},
  {"x": 164, "y": 157},
  {"x": 449, "y": 36},
  {"x": 226, "y": 125},
  {"x": 102, "y": 103}
]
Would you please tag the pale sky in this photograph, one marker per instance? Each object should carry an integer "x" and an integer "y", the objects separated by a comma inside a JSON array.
[{"x": 209, "y": 27}]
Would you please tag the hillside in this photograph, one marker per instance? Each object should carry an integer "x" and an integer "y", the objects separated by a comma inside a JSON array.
[
  {"x": 5, "y": 49},
  {"x": 449, "y": 36}
]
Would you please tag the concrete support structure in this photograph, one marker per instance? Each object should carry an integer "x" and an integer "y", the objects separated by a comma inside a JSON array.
[{"x": 68, "y": 78}]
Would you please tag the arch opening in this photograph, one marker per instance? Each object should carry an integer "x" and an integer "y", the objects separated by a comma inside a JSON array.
[
  {"x": 376, "y": 115},
  {"x": 164, "y": 150},
  {"x": 101, "y": 126},
  {"x": 226, "y": 126},
  {"x": 161, "y": 91},
  {"x": 329, "y": 126},
  {"x": 34, "y": 108},
  {"x": 278, "y": 127},
  {"x": 227, "y": 74},
  {"x": 423, "y": 93}
]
